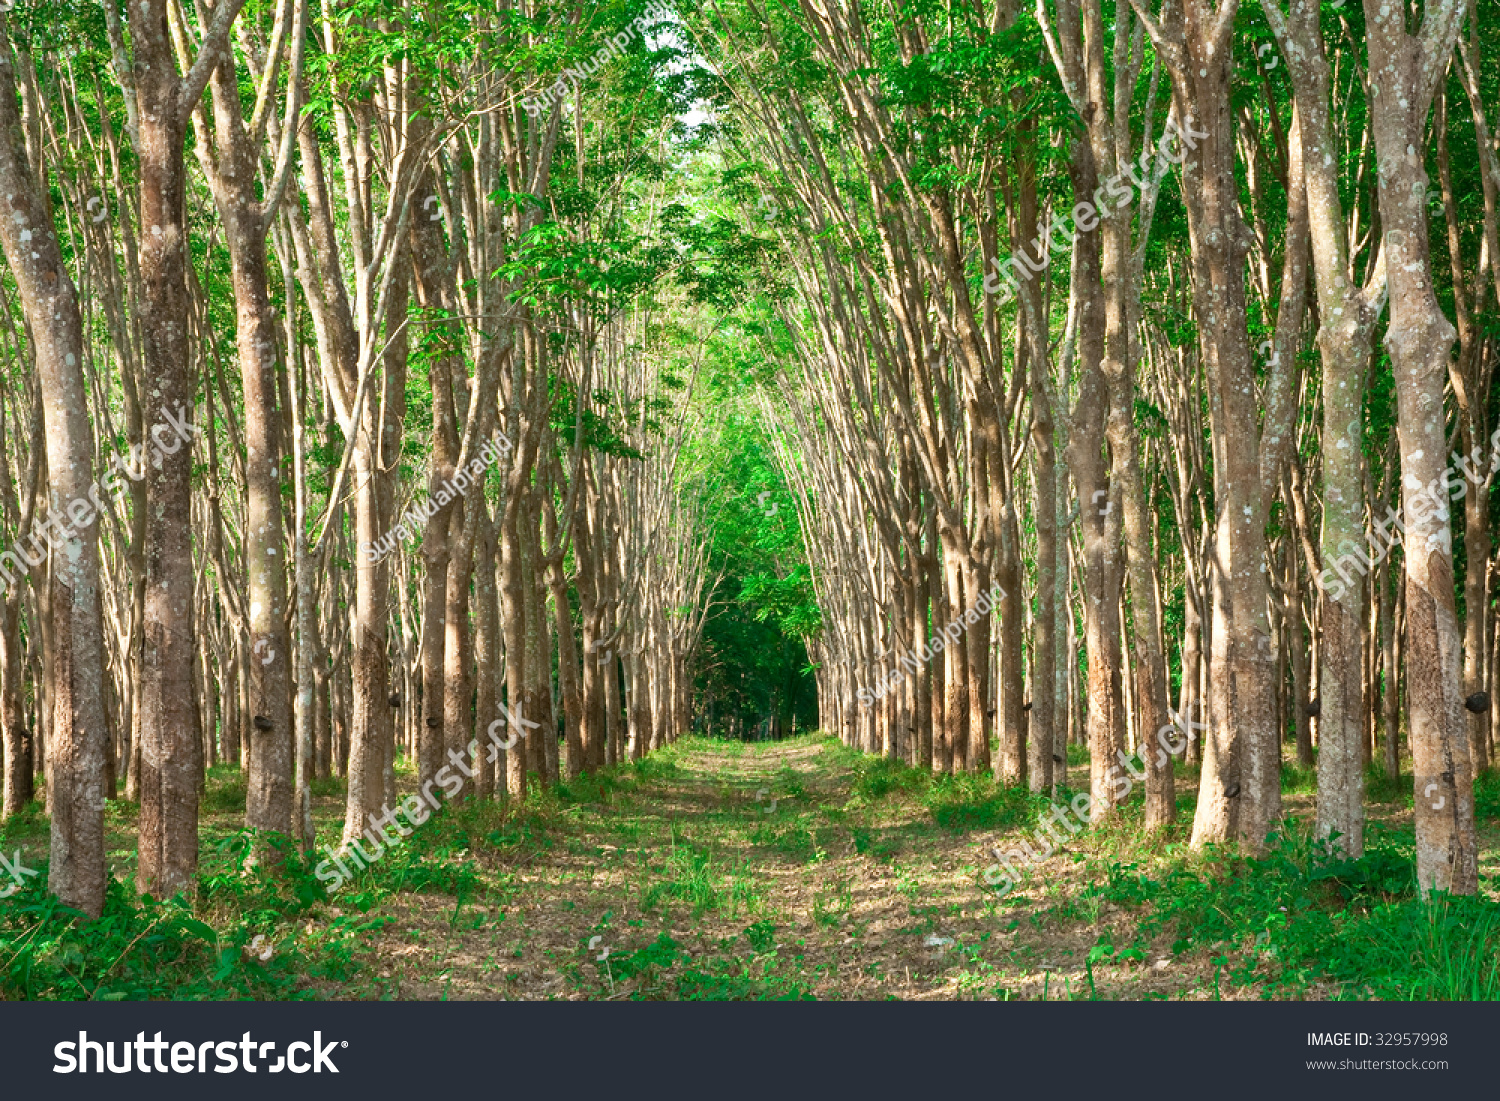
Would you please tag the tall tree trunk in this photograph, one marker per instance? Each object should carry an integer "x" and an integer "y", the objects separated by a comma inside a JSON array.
[
  {"x": 1348, "y": 316},
  {"x": 1405, "y": 70},
  {"x": 1239, "y": 792},
  {"x": 432, "y": 283},
  {"x": 490, "y": 777},
  {"x": 513, "y": 625},
  {"x": 269, "y": 793},
  {"x": 1041, "y": 717},
  {"x": 77, "y": 738},
  {"x": 1100, "y": 520},
  {"x": 171, "y": 747},
  {"x": 568, "y": 677},
  {"x": 19, "y": 749}
]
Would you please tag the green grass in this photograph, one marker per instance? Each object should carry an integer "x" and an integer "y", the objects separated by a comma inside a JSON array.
[
  {"x": 958, "y": 804},
  {"x": 794, "y": 842},
  {"x": 1487, "y": 796},
  {"x": 1379, "y": 788},
  {"x": 1304, "y": 914},
  {"x": 27, "y": 826},
  {"x": 694, "y": 878},
  {"x": 664, "y": 970},
  {"x": 333, "y": 787},
  {"x": 184, "y": 948},
  {"x": 223, "y": 791},
  {"x": 1298, "y": 780}
]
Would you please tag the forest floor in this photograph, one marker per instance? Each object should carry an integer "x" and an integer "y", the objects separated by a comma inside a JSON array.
[{"x": 801, "y": 869}]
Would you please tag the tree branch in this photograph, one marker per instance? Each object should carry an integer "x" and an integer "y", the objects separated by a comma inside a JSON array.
[{"x": 215, "y": 42}]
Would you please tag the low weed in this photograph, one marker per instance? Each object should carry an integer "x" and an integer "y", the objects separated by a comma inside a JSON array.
[
  {"x": 1296, "y": 780},
  {"x": 224, "y": 790},
  {"x": 795, "y": 842},
  {"x": 140, "y": 948},
  {"x": 1487, "y": 795},
  {"x": 876, "y": 777}
]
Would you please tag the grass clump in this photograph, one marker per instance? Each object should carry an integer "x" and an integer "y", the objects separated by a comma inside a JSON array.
[
  {"x": 695, "y": 878},
  {"x": 1296, "y": 780},
  {"x": 1487, "y": 795},
  {"x": 972, "y": 801},
  {"x": 959, "y": 803},
  {"x": 224, "y": 790},
  {"x": 877, "y": 777}
]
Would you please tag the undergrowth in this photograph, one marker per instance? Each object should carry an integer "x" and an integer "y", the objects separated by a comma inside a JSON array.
[
  {"x": 664, "y": 970},
  {"x": 1305, "y": 913},
  {"x": 141, "y": 948},
  {"x": 960, "y": 803},
  {"x": 1487, "y": 795}
]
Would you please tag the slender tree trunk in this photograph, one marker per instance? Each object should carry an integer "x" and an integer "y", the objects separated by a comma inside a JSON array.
[
  {"x": 1042, "y": 715},
  {"x": 568, "y": 676},
  {"x": 1476, "y": 614},
  {"x": 433, "y": 290},
  {"x": 513, "y": 625},
  {"x": 77, "y": 738},
  {"x": 490, "y": 776},
  {"x": 1348, "y": 319},
  {"x": 1405, "y": 71},
  {"x": 270, "y": 792},
  {"x": 1099, "y": 519},
  {"x": 1239, "y": 792},
  {"x": 171, "y": 747}
]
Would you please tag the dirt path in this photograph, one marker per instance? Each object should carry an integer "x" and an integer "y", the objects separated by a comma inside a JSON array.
[{"x": 720, "y": 870}]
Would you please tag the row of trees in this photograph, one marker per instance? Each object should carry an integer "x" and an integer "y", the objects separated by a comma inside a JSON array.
[
  {"x": 1131, "y": 310},
  {"x": 333, "y": 238},
  {"x": 1126, "y": 314}
]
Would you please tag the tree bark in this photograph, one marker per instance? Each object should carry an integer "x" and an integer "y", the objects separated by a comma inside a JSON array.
[
  {"x": 78, "y": 737},
  {"x": 1404, "y": 73}
]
